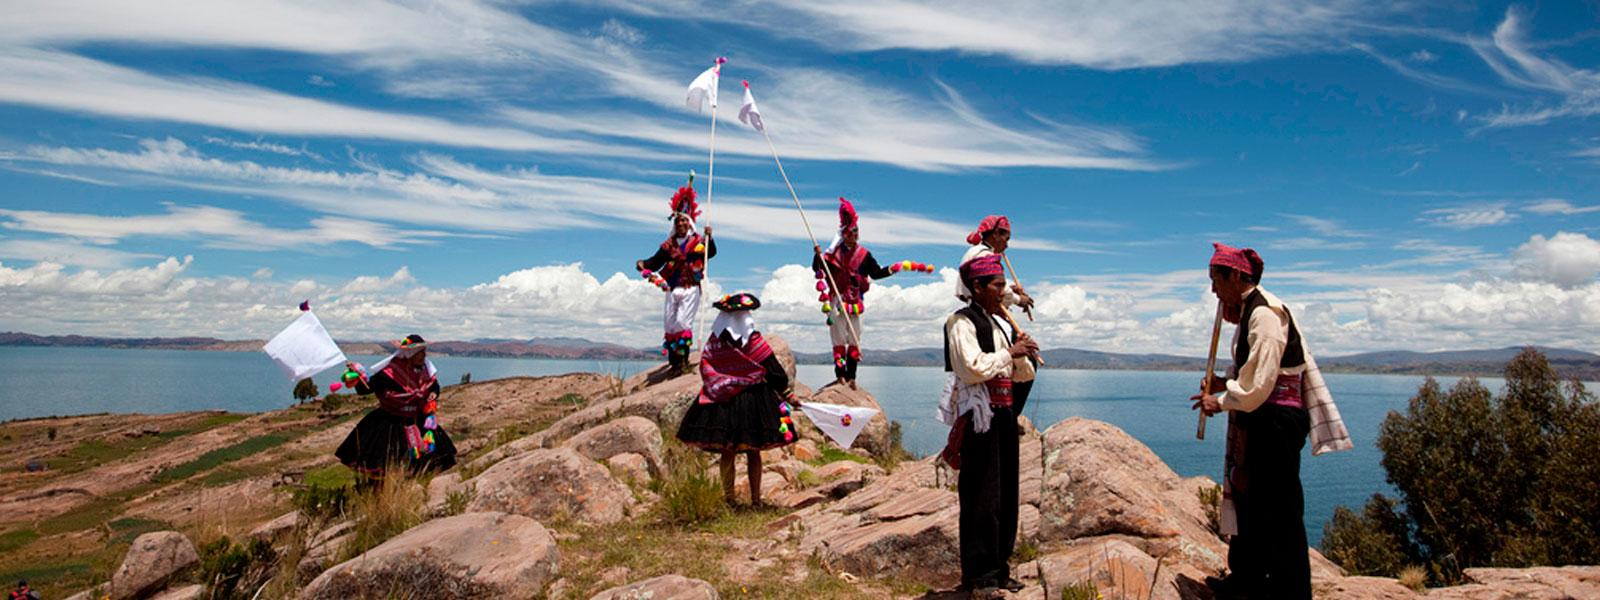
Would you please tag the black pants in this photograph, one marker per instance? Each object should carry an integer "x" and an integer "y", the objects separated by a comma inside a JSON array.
[
  {"x": 1268, "y": 558},
  {"x": 1019, "y": 396},
  {"x": 988, "y": 489}
]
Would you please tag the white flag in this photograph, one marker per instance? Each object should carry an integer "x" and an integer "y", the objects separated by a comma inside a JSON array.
[
  {"x": 841, "y": 423},
  {"x": 304, "y": 348},
  {"x": 749, "y": 114},
  {"x": 704, "y": 87}
]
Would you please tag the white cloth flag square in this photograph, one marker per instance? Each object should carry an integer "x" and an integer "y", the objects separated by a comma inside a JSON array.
[
  {"x": 304, "y": 348},
  {"x": 704, "y": 88},
  {"x": 749, "y": 114},
  {"x": 840, "y": 423}
]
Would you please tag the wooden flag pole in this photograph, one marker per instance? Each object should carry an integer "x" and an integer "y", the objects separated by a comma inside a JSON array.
[
  {"x": 711, "y": 182},
  {"x": 1017, "y": 280},
  {"x": 826, "y": 272},
  {"x": 1211, "y": 367},
  {"x": 1007, "y": 312}
]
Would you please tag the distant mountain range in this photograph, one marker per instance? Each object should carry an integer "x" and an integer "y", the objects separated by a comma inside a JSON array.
[{"x": 1570, "y": 363}]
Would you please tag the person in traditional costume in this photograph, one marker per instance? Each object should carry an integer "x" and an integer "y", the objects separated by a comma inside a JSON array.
[
  {"x": 677, "y": 267},
  {"x": 992, "y": 238},
  {"x": 851, "y": 268},
  {"x": 1275, "y": 397},
  {"x": 982, "y": 351},
  {"x": 404, "y": 429},
  {"x": 745, "y": 398}
]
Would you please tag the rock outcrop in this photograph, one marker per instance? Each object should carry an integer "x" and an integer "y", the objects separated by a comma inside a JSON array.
[
  {"x": 473, "y": 555},
  {"x": 555, "y": 484},
  {"x": 154, "y": 560},
  {"x": 627, "y": 435},
  {"x": 665, "y": 587}
]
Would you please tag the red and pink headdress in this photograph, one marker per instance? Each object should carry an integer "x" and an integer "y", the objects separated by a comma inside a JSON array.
[
  {"x": 848, "y": 219},
  {"x": 990, "y": 223},
  {"x": 983, "y": 266},
  {"x": 1242, "y": 260},
  {"x": 683, "y": 203}
]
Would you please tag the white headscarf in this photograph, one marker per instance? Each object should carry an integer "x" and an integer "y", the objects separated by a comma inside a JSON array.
[{"x": 738, "y": 323}]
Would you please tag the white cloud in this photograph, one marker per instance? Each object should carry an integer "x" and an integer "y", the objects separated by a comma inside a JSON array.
[
  {"x": 444, "y": 193},
  {"x": 501, "y": 64},
  {"x": 1512, "y": 57},
  {"x": 1557, "y": 206},
  {"x": 264, "y": 146},
  {"x": 70, "y": 253},
  {"x": 216, "y": 227},
  {"x": 1565, "y": 259},
  {"x": 1340, "y": 311},
  {"x": 1093, "y": 34},
  {"x": 1469, "y": 217},
  {"x": 1422, "y": 56}
]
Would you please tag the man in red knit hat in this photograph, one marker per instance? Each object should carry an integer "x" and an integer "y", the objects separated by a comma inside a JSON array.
[{"x": 681, "y": 263}]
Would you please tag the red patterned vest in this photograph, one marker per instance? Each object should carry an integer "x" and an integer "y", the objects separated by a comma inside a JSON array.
[
  {"x": 846, "y": 273},
  {"x": 684, "y": 266}
]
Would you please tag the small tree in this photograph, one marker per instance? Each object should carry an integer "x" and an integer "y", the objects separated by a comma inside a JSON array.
[
  {"x": 1484, "y": 481},
  {"x": 305, "y": 390}
]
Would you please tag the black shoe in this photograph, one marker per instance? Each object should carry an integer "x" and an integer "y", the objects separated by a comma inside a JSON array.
[{"x": 1012, "y": 585}]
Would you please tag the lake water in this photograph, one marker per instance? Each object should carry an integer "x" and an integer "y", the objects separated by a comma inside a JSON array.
[{"x": 1151, "y": 406}]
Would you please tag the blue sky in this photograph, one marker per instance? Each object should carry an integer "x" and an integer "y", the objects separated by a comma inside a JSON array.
[{"x": 1416, "y": 177}]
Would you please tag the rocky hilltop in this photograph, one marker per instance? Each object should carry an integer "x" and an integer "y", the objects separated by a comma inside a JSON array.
[{"x": 575, "y": 495}]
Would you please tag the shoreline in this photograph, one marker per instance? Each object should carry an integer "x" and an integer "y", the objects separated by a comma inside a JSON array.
[{"x": 1587, "y": 372}]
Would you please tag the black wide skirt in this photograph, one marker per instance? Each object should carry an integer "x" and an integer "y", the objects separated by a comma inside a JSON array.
[
  {"x": 379, "y": 440},
  {"x": 756, "y": 419}
]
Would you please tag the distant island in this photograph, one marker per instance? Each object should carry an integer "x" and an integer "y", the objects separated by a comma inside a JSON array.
[{"x": 1488, "y": 362}]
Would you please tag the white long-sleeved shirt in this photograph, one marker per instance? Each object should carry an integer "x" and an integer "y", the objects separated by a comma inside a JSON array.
[
  {"x": 1269, "y": 335},
  {"x": 972, "y": 365}
]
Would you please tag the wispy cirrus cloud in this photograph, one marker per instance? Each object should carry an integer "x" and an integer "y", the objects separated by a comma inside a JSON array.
[
  {"x": 441, "y": 192},
  {"x": 1513, "y": 58},
  {"x": 1469, "y": 217},
  {"x": 213, "y": 227},
  {"x": 1099, "y": 35},
  {"x": 489, "y": 55},
  {"x": 1557, "y": 206}
]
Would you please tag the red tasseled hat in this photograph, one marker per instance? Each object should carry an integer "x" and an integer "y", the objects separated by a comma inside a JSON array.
[
  {"x": 683, "y": 202},
  {"x": 847, "y": 215}
]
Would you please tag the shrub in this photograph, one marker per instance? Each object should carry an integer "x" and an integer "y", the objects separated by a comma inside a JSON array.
[
  {"x": 1211, "y": 503},
  {"x": 305, "y": 389},
  {"x": 325, "y": 492},
  {"x": 1371, "y": 543},
  {"x": 230, "y": 570},
  {"x": 385, "y": 510},
  {"x": 1085, "y": 590},
  {"x": 1414, "y": 577},
  {"x": 1484, "y": 481},
  {"x": 688, "y": 494}
]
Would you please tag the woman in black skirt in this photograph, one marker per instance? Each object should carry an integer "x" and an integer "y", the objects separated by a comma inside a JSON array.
[
  {"x": 404, "y": 429},
  {"x": 745, "y": 397}
]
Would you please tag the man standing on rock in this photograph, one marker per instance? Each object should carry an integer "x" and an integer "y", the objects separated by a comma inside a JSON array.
[
  {"x": 1268, "y": 422},
  {"x": 982, "y": 351},
  {"x": 677, "y": 267},
  {"x": 851, "y": 268}
]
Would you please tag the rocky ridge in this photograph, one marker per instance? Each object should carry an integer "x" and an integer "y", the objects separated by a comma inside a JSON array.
[{"x": 1098, "y": 506}]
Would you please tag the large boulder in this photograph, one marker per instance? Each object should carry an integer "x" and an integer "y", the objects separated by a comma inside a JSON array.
[
  {"x": 665, "y": 587},
  {"x": 1098, "y": 480},
  {"x": 554, "y": 484},
  {"x": 874, "y": 438},
  {"x": 472, "y": 555},
  {"x": 635, "y": 435},
  {"x": 154, "y": 560}
]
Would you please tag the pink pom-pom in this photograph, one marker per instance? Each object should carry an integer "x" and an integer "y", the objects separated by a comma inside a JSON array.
[
  {"x": 821, "y": 287},
  {"x": 334, "y": 387}
]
